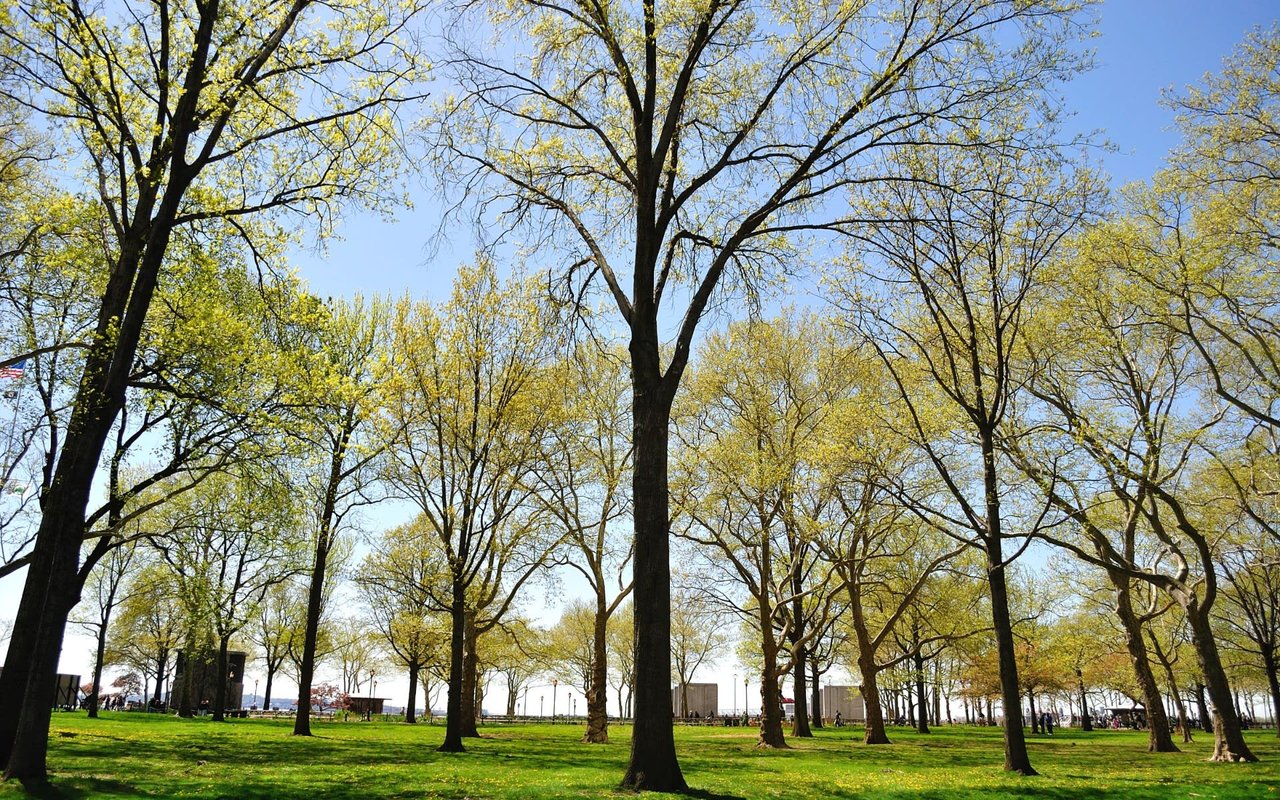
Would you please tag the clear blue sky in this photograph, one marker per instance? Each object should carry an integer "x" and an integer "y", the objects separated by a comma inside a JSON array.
[{"x": 1144, "y": 47}]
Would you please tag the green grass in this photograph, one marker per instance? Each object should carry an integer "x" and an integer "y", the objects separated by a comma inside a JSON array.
[{"x": 137, "y": 755}]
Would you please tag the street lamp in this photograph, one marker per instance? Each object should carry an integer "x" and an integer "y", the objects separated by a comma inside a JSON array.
[
  {"x": 524, "y": 704},
  {"x": 368, "y": 709},
  {"x": 554, "y": 684},
  {"x": 255, "y": 691},
  {"x": 540, "y": 699},
  {"x": 746, "y": 699},
  {"x": 575, "y": 707}
]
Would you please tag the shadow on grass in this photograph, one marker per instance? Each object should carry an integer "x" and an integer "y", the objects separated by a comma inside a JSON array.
[{"x": 74, "y": 790}]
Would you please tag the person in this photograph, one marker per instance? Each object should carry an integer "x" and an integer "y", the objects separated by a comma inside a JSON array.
[{"x": 839, "y": 720}]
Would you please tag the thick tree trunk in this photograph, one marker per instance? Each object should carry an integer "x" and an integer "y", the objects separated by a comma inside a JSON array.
[
  {"x": 1159, "y": 739},
  {"x": 453, "y": 715},
  {"x": 223, "y": 679},
  {"x": 653, "y": 765},
  {"x": 1016, "y": 758},
  {"x": 875, "y": 730},
  {"x": 922, "y": 700},
  {"x": 411, "y": 710},
  {"x": 1031, "y": 706},
  {"x": 800, "y": 721},
  {"x": 1228, "y": 739},
  {"x": 597, "y": 700},
  {"x": 771, "y": 734},
  {"x": 470, "y": 679}
]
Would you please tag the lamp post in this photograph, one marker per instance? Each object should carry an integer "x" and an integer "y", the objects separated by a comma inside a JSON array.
[
  {"x": 368, "y": 709},
  {"x": 746, "y": 698},
  {"x": 255, "y": 691},
  {"x": 540, "y": 699},
  {"x": 575, "y": 708},
  {"x": 554, "y": 684},
  {"x": 524, "y": 703},
  {"x": 372, "y": 695}
]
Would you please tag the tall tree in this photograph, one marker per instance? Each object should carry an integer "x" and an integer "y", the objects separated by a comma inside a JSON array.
[
  {"x": 946, "y": 289},
  {"x": 583, "y": 484},
  {"x": 466, "y": 404},
  {"x": 672, "y": 151},
  {"x": 183, "y": 115},
  {"x": 342, "y": 446}
]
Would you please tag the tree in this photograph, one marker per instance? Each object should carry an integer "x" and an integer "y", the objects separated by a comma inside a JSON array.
[
  {"x": 697, "y": 638},
  {"x": 947, "y": 287},
  {"x": 199, "y": 123},
  {"x": 342, "y": 448},
  {"x": 672, "y": 152},
  {"x": 105, "y": 587},
  {"x": 275, "y": 629},
  {"x": 148, "y": 628},
  {"x": 396, "y": 580},
  {"x": 583, "y": 485},
  {"x": 228, "y": 542},
  {"x": 747, "y": 488},
  {"x": 465, "y": 402},
  {"x": 1117, "y": 440}
]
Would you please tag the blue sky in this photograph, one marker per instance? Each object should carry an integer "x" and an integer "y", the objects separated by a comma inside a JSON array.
[{"x": 1143, "y": 47}]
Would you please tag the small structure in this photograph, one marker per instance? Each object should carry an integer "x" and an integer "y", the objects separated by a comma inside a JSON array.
[
  {"x": 365, "y": 706},
  {"x": 204, "y": 678},
  {"x": 845, "y": 699},
  {"x": 704, "y": 700}
]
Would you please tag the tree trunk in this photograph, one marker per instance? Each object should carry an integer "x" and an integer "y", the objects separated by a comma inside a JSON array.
[
  {"x": 1228, "y": 739},
  {"x": 922, "y": 701},
  {"x": 799, "y": 655},
  {"x": 1273, "y": 682},
  {"x": 1159, "y": 739},
  {"x": 222, "y": 677},
  {"x": 411, "y": 710},
  {"x": 874, "y": 733},
  {"x": 470, "y": 679},
  {"x": 311, "y": 636},
  {"x": 770, "y": 707},
  {"x": 800, "y": 720},
  {"x": 597, "y": 699},
  {"x": 1202, "y": 709},
  {"x": 1031, "y": 705},
  {"x": 453, "y": 715},
  {"x": 266, "y": 697},
  {"x": 98, "y": 656},
  {"x": 815, "y": 696},
  {"x": 653, "y": 765},
  {"x": 1172, "y": 680},
  {"x": 1016, "y": 758},
  {"x": 1086, "y": 722}
]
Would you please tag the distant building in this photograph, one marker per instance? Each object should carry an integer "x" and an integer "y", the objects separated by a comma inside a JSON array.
[
  {"x": 845, "y": 699},
  {"x": 365, "y": 705},
  {"x": 704, "y": 699}
]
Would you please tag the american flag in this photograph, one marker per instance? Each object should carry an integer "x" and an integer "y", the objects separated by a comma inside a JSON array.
[{"x": 14, "y": 371}]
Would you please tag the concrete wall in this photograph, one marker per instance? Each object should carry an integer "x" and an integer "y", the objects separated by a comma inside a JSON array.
[
  {"x": 845, "y": 699},
  {"x": 704, "y": 698}
]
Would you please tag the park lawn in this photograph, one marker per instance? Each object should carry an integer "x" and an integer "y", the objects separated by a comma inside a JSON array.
[{"x": 138, "y": 755}]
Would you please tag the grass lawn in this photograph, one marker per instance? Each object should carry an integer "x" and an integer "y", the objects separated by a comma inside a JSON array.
[{"x": 140, "y": 755}]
